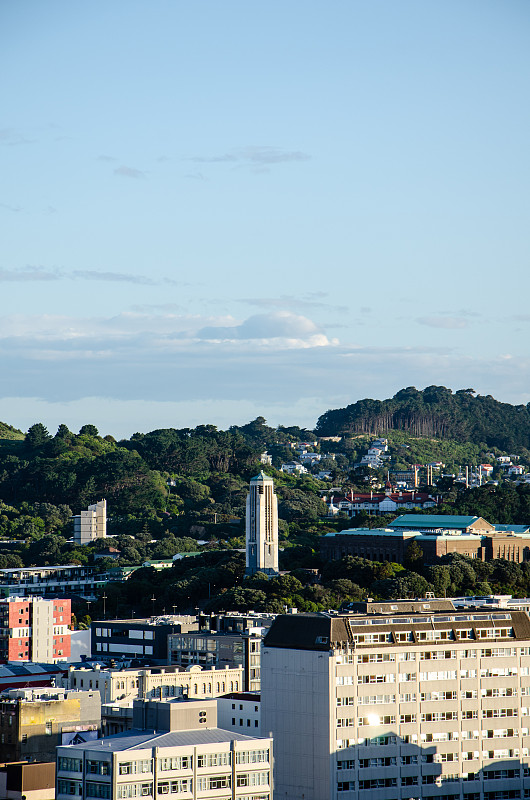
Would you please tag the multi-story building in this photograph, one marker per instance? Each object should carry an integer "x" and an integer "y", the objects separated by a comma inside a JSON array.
[
  {"x": 60, "y": 581},
  {"x": 33, "y": 722},
  {"x": 34, "y": 629},
  {"x": 240, "y": 711},
  {"x": 220, "y": 650},
  {"x": 389, "y": 707},
  {"x": 138, "y": 638},
  {"x": 91, "y": 524},
  {"x": 116, "y": 685},
  {"x": 262, "y": 526},
  {"x": 198, "y": 764}
]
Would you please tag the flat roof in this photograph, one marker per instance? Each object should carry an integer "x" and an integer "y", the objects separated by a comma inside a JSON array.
[{"x": 139, "y": 740}]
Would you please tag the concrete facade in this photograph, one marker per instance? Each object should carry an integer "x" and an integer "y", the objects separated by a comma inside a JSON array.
[
  {"x": 262, "y": 526},
  {"x": 196, "y": 764},
  {"x": 33, "y": 722},
  {"x": 91, "y": 524},
  {"x": 393, "y": 707}
]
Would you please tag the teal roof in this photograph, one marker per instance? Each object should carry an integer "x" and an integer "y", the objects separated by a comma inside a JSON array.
[
  {"x": 513, "y": 528},
  {"x": 445, "y": 521},
  {"x": 262, "y": 477}
]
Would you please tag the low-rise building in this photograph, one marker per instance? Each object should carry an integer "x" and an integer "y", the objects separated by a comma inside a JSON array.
[
  {"x": 240, "y": 711},
  {"x": 150, "y": 684},
  {"x": 23, "y": 781},
  {"x": 34, "y": 629},
  {"x": 33, "y": 722},
  {"x": 60, "y": 581},
  {"x": 198, "y": 764}
]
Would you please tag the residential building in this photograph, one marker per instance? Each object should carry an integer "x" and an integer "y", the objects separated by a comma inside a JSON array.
[
  {"x": 266, "y": 459},
  {"x": 198, "y": 764},
  {"x": 34, "y": 629},
  {"x": 240, "y": 711},
  {"x": 60, "y": 581},
  {"x": 146, "y": 639},
  {"x": 294, "y": 468},
  {"x": 33, "y": 722},
  {"x": 423, "y": 705},
  {"x": 262, "y": 526},
  {"x": 378, "y": 503},
  {"x": 91, "y": 524},
  {"x": 150, "y": 684}
]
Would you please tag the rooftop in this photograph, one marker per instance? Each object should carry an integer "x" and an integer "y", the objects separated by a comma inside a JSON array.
[
  {"x": 139, "y": 740},
  {"x": 445, "y": 521}
]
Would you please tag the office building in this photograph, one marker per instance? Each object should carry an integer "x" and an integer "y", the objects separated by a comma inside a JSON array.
[
  {"x": 392, "y": 707},
  {"x": 220, "y": 650},
  {"x": 262, "y": 526},
  {"x": 91, "y": 524},
  {"x": 198, "y": 764},
  {"x": 146, "y": 639},
  {"x": 33, "y": 722},
  {"x": 34, "y": 629}
]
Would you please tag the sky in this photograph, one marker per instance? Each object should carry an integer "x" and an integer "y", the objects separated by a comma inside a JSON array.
[{"x": 211, "y": 211}]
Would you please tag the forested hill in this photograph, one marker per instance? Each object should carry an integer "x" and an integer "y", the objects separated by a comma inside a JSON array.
[{"x": 435, "y": 412}]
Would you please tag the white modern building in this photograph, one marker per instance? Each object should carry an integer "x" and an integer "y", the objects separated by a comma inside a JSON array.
[
  {"x": 91, "y": 524},
  {"x": 262, "y": 526},
  {"x": 240, "y": 711},
  {"x": 195, "y": 764},
  {"x": 397, "y": 706}
]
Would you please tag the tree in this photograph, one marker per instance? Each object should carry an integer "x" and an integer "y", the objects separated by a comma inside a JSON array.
[
  {"x": 37, "y": 435},
  {"x": 89, "y": 430},
  {"x": 63, "y": 432}
]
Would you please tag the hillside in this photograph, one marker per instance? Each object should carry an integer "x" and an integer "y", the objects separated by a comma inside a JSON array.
[
  {"x": 8, "y": 432},
  {"x": 435, "y": 412}
]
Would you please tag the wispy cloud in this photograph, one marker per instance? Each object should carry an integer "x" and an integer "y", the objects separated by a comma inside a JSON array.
[
  {"x": 449, "y": 323},
  {"x": 129, "y": 172},
  {"x": 11, "y": 136},
  {"x": 256, "y": 156},
  {"x": 39, "y": 274},
  {"x": 26, "y": 274},
  {"x": 8, "y": 207},
  {"x": 293, "y": 328},
  {"x": 107, "y": 159},
  {"x": 286, "y": 301}
]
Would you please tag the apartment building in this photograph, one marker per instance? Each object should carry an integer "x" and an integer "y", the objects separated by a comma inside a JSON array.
[
  {"x": 59, "y": 581},
  {"x": 399, "y": 706},
  {"x": 34, "y": 629},
  {"x": 91, "y": 524},
  {"x": 198, "y": 764}
]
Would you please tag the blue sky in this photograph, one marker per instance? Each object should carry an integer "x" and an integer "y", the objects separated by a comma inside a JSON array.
[{"x": 210, "y": 211}]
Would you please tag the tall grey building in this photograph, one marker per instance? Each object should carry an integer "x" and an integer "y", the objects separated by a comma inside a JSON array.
[
  {"x": 396, "y": 705},
  {"x": 262, "y": 526}
]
